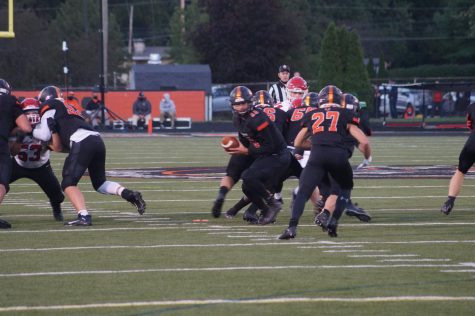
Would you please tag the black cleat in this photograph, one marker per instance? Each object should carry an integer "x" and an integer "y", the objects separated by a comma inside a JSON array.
[
  {"x": 217, "y": 206},
  {"x": 250, "y": 217},
  {"x": 4, "y": 224},
  {"x": 82, "y": 220},
  {"x": 271, "y": 214},
  {"x": 57, "y": 213},
  {"x": 332, "y": 226},
  {"x": 231, "y": 213},
  {"x": 137, "y": 200},
  {"x": 322, "y": 219},
  {"x": 447, "y": 207},
  {"x": 358, "y": 212},
  {"x": 289, "y": 233}
]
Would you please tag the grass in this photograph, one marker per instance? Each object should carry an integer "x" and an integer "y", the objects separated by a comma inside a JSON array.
[{"x": 409, "y": 260}]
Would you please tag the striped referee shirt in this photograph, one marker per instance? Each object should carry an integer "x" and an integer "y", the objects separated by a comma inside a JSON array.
[{"x": 278, "y": 92}]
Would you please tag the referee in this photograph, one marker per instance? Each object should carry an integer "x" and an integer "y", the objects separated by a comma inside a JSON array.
[{"x": 278, "y": 91}]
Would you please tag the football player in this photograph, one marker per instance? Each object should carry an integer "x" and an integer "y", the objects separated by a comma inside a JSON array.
[
  {"x": 260, "y": 138},
  {"x": 31, "y": 160},
  {"x": 296, "y": 88},
  {"x": 466, "y": 161},
  {"x": 11, "y": 115},
  {"x": 63, "y": 124},
  {"x": 327, "y": 125}
]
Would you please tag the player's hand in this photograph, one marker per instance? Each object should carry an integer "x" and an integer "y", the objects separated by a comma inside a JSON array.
[
  {"x": 241, "y": 150},
  {"x": 365, "y": 163}
]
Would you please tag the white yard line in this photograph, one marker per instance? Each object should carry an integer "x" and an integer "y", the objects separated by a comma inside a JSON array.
[
  {"x": 279, "y": 300},
  {"x": 221, "y": 269}
]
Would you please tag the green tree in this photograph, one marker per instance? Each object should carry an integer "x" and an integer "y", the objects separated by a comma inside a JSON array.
[
  {"x": 382, "y": 71},
  {"x": 245, "y": 40},
  {"x": 23, "y": 61},
  {"x": 331, "y": 66},
  {"x": 84, "y": 41}
]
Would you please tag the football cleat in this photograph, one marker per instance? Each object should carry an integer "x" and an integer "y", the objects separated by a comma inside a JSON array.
[
  {"x": 447, "y": 207},
  {"x": 358, "y": 212},
  {"x": 271, "y": 214},
  {"x": 231, "y": 213},
  {"x": 322, "y": 219},
  {"x": 57, "y": 213},
  {"x": 289, "y": 233},
  {"x": 332, "y": 226},
  {"x": 250, "y": 217},
  {"x": 4, "y": 224},
  {"x": 217, "y": 206},
  {"x": 137, "y": 200},
  {"x": 82, "y": 220}
]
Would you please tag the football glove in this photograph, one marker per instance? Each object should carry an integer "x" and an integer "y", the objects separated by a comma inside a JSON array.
[{"x": 365, "y": 163}]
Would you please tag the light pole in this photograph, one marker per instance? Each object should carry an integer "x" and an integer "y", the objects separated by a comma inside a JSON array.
[{"x": 65, "y": 67}]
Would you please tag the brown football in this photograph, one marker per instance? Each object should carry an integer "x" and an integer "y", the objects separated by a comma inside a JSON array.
[{"x": 229, "y": 142}]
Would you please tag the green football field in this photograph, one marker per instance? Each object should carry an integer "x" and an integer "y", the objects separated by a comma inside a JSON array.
[{"x": 178, "y": 260}]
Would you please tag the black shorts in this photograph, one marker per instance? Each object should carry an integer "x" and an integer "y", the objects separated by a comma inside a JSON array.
[
  {"x": 43, "y": 176},
  {"x": 236, "y": 166},
  {"x": 467, "y": 155},
  {"x": 5, "y": 170},
  {"x": 90, "y": 154}
]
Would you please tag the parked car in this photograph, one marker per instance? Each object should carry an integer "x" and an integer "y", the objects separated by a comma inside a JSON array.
[
  {"x": 405, "y": 95},
  {"x": 220, "y": 101}
]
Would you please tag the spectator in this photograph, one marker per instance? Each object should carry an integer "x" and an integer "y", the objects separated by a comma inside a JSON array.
[
  {"x": 409, "y": 113},
  {"x": 436, "y": 102},
  {"x": 278, "y": 91},
  {"x": 297, "y": 74},
  {"x": 167, "y": 109},
  {"x": 92, "y": 109},
  {"x": 141, "y": 110},
  {"x": 72, "y": 100},
  {"x": 393, "y": 101}
]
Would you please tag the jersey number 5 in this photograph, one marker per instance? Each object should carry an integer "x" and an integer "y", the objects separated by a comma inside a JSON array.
[{"x": 320, "y": 117}]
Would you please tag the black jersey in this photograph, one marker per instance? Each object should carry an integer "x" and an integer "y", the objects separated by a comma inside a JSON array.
[
  {"x": 278, "y": 116},
  {"x": 9, "y": 111},
  {"x": 295, "y": 117},
  {"x": 258, "y": 133},
  {"x": 67, "y": 117},
  {"x": 328, "y": 125}
]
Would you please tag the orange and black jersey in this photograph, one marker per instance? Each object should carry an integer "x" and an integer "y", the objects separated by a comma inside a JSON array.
[
  {"x": 258, "y": 133},
  {"x": 68, "y": 119},
  {"x": 295, "y": 117},
  {"x": 329, "y": 125},
  {"x": 278, "y": 116},
  {"x": 10, "y": 110},
  {"x": 471, "y": 117}
]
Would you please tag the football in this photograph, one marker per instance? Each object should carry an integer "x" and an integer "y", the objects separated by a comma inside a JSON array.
[{"x": 229, "y": 142}]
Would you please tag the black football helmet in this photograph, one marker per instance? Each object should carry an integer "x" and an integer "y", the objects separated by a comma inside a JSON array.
[
  {"x": 49, "y": 92},
  {"x": 241, "y": 95},
  {"x": 5, "y": 87},
  {"x": 310, "y": 99},
  {"x": 329, "y": 95},
  {"x": 350, "y": 102},
  {"x": 262, "y": 98}
]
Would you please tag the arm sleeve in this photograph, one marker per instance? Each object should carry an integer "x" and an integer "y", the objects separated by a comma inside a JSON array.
[{"x": 41, "y": 130}]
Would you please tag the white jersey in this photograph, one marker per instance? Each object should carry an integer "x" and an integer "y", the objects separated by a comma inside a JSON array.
[
  {"x": 285, "y": 105},
  {"x": 32, "y": 153}
]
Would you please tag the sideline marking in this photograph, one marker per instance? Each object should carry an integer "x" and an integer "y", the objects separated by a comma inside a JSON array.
[{"x": 377, "y": 299}]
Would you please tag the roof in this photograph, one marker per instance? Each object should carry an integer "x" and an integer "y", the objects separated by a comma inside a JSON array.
[{"x": 170, "y": 77}]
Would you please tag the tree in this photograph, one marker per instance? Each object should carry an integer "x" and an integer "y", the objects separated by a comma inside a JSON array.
[
  {"x": 331, "y": 66},
  {"x": 84, "y": 40},
  {"x": 24, "y": 64},
  {"x": 245, "y": 40}
]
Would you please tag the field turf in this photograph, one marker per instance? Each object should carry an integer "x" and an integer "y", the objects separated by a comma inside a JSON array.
[{"x": 178, "y": 260}]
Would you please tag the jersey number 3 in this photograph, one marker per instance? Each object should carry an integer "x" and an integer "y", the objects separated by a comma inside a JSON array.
[{"x": 320, "y": 117}]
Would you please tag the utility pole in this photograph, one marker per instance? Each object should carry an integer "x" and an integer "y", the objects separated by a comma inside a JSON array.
[
  {"x": 104, "y": 30},
  {"x": 131, "y": 23}
]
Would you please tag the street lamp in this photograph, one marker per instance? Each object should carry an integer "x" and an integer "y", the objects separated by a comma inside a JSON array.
[{"x": 65, "y": 67}]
